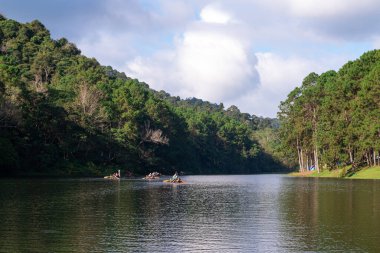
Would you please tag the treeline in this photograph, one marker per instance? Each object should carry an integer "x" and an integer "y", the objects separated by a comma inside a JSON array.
[
  {"x": 254, "y": 122},
  {"x": 333, "y": 119},
  {"x": 63, "y": 113}
]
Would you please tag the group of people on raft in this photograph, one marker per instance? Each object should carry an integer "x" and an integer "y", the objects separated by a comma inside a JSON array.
[
  {"x": 115, "y": 175},
  {"x": 155, "y": 175}
]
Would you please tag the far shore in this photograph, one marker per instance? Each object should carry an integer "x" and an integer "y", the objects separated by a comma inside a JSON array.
[{"x": 365, "y": 173}]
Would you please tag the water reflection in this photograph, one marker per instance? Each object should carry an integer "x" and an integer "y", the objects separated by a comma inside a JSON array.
[
  {"x": 261, "y": 213},
  {"x": 326, "y": 215}
]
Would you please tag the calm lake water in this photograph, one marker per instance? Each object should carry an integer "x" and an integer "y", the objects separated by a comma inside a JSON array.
[{"x": 256, "y": 213}]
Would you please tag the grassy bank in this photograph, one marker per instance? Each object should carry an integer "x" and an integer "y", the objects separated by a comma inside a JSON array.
[{"x": 365, "y": 173}]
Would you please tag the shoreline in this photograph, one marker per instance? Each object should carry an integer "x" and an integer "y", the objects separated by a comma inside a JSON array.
[{"x": 365, "y": 173}]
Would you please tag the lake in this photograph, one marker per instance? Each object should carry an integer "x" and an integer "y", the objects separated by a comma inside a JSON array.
[{"x": 255, "y": 213}]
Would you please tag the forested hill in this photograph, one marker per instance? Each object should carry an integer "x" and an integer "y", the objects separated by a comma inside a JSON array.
[
  {"x": 333, "y": 119},
  {"x": 62, "y": 113},
  {"x": 198, "y": 105}
]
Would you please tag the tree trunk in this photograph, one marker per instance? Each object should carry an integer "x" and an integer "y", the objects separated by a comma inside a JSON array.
[
  {"x": 299, "y": 155},
  {"x": 299, "y": 159},
  {"x": 374, "y": 157},
  {"x": 367, "y": 158},
  {"x": 350, "y": 153},
  {"x": 316, "y": 159},
  {"x": 302, "y": 161},
  {"x": 316, "y": 162}
]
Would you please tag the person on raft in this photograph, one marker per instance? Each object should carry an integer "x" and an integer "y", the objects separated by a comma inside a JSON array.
[
  {"x": 116, "y": 174},
  {"x": 175, "y": 178}
]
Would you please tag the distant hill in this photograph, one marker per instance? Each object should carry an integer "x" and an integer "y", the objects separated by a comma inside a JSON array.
[{"x": 62, "y": 113}]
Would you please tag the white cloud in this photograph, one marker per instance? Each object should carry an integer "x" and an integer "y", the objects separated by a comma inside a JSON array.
[
  {"x": 158, "y": 71},
  {"x": 215, "y": 66},
  {"x": 278, "y": 76},
  {"x": 107, "y": 48},
  {"x": 213, "y": 14},
  {"x": 208, "y": 62}
]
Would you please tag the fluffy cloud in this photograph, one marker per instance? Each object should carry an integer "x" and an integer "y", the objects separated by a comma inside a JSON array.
[
  {"x": 109, "y": 49},
  {"x": 211, "y": 60},
  {"x": 213, "y": 14},
  {"x": 278, "y": 76},
  {"x": 159, "y": 71},
  {"x": 215, "y": 66}
]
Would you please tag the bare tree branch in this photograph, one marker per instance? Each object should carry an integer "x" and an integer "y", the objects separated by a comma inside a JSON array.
[
  {"x": 155, "y": 136},
  {"x": 88, "y": 99}
]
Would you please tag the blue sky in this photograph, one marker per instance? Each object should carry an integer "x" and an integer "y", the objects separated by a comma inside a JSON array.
[{"x": 250, "y": 53}]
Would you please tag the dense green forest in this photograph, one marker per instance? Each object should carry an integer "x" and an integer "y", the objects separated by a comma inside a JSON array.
[
  {"x": 62, "y": 113},
  {"x": 333, "y": 119}
]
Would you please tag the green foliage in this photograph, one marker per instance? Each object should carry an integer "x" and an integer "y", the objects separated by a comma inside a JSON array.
[
  {"x": 63, "y": 113},
  {"x": 334, "y": 118}
]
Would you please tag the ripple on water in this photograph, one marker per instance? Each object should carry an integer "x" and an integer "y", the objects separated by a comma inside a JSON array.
[{"x": 258, "y": 213}]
